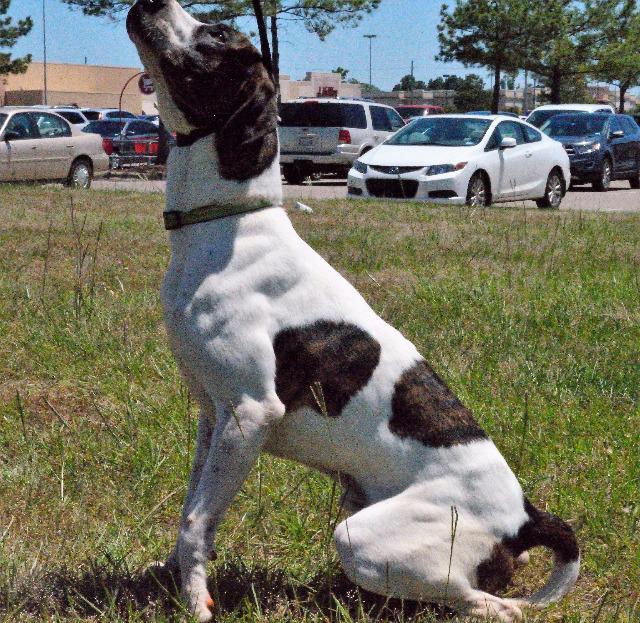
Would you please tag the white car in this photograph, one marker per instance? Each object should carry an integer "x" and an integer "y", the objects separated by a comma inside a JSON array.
[
  {"x": 542, "y": 114},
  {"x": 72, "y": 115},
  {"x": 38, "y": 144},
  {"x": 464, "y": 159}
]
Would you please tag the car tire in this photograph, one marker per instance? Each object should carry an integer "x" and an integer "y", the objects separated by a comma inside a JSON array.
[
  {"x": 634, "y": 182},
  {"x": 553, "y": 191},
  {"x": 293, "y": 174},
  {"x": 603, "y": 183},
  {"x": 478, "y": 191},
  {"x": 80, "y": 174}
]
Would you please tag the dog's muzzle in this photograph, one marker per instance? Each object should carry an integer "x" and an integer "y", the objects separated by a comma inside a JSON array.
[{"x": 139, "y": 10}]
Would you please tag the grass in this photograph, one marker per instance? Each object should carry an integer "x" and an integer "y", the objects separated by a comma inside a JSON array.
[{"x": 533, "y": 317}]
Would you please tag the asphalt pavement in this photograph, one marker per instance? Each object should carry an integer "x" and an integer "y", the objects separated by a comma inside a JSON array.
[{"x": 620, "y": 198}]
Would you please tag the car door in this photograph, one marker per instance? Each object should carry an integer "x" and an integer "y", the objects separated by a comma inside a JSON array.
[
  {"x": 20, "y": 152},
  {"x": 56, "y": 148},
  {"x": 537, "y": 166},
  {"x": 631, "y": 143},
  {"x": 507, "y": 167}
]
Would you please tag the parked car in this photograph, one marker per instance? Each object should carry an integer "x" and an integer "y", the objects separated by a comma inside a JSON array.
[
  {"x": 600, "y": 147},
  {"x": 95, "y": 114},
  {"x": 418, "y": 110},
  {"x": 464, "y": 159},
  {"x": 155, "y": 119},
  {"x": 73, "y": 116},
  {"x": 543, "y": 113},
  {"x": 488, "y": 112},
  {"x": 41, "y": 145},
  {"x": 327, "y": 135},
  {"x": 127, "y": 141}
]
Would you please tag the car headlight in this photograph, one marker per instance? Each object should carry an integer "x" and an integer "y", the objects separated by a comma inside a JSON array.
[
  {"x": 587, "y": 148},
  {"x": 439, "y": 169},
  {"x": 360, "y": 167}
]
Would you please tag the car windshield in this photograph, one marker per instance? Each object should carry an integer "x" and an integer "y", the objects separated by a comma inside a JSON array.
[
  {"x": 574, "y": 125},
  {"x": 104, "y": 128},
  {"x": 538, "y": 117},
  {"x": 321, "y": 115},
  {"x": 444, "y": 131}
]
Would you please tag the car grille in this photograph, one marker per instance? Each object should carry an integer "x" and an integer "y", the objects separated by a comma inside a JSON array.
[
  {"x": 394, "y": 189},
  {"x": 395, "y": 170},
  {"x": 570, "y": 149}
]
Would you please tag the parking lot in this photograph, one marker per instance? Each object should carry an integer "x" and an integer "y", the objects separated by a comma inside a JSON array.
[{"x": 620, "y": 198}]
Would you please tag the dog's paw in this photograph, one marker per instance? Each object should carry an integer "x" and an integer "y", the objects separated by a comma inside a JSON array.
[
  {"x": 200, "y": 604},
  {"x": 493, "y": 608}
]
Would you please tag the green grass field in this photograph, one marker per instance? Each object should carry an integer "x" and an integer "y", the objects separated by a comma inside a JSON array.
[{"x": 533, "y": 317}]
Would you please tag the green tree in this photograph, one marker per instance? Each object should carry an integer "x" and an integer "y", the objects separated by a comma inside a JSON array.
[
  {"x": 471, "y": 94},
  {"x": 9, "y": 35},
  {"x": 448, "y": 83},
  {"x": 342, "y": 71},
  {"x": 485, "y": 33},
  {"x": 409, "y": 83},
  {"x": 319, "y": 17},
  {"x": 618, "y": 61}
]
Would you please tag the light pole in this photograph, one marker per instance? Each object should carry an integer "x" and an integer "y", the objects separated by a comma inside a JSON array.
[
  {"x": 44, "y": 49},
  {"x": 370, "y": 37}
]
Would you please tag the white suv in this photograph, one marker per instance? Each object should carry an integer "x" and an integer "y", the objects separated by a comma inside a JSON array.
[
  {"x": 326, "y": 135},
  {"x": 543, "y": 113}
]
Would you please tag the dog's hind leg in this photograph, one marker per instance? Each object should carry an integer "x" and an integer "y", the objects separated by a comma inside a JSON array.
[{"x": 238, "y": 437}]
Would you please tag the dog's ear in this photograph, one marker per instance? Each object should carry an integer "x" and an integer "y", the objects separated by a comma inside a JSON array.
[{"x": 247, "y": 144}]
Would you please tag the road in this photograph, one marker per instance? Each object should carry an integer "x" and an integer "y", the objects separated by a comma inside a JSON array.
[{"x": 621, "y": 198}]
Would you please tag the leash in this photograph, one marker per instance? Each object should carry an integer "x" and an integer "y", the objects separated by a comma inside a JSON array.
[{"x": 174, "y": 219}]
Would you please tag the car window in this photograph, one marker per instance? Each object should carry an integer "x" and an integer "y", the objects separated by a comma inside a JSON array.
[
  {"x": 575, "y": 125},
  {"x": 51, "y": 126},
  {"x": 22, "y": 125},
  {"x": 615, "y": 125},
  {"x": 71, "y": 117},
  {"x": 394, "y": 119},
  {"x": 379, "y": 119},
  {"x": 530, "y": 135},
  {"x": 322, "y": 115},
  {"x": 142, "y": 127},
  {"x": 91, "y": 115},
  {"x": 538, "y": 117},
  {"x": 443, "y": 131},
  {"x": 119, "y": 114},
  {"x": 505, "y": 129}
]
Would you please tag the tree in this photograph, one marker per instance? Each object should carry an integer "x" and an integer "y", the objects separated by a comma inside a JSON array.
[
  {"x": 485, "y": 33},
  {"x": 471, "y": 94},
  {"x": 409, "y": 83},
  {"x": 342, "y": 71},
  {"x": 445, "y": 83},
  {"x": 319, "y": 17},
  {"x": 618, "y": 60},
  {"x": 9, "y": 35}
]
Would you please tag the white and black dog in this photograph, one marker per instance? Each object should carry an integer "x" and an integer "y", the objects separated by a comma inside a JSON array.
[{"x": 285, "y": 356}]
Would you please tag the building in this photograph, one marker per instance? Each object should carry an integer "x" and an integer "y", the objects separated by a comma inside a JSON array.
[
  {"x": 85, "y": 85},
  {"x": 317, "y": 84},
  {"x": 442, "y": 98}
]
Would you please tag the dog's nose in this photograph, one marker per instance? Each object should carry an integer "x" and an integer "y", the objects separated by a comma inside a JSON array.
[{"x": 152, "y": 6}]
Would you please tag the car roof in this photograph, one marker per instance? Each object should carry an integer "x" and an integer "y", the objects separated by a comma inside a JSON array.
[
  {"x": 588, "y": 107},
  {"x": 338, "y": 100},
  {"x": 14, "y": 109}
]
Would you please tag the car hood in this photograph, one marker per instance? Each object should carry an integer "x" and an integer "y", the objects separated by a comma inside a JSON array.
[
  {"x": 576, "y": 140},
  {"x": 417, "y": 155}
]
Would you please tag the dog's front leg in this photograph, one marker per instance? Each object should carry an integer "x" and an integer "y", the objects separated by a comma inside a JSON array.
[{"x": 238, "y": 438}]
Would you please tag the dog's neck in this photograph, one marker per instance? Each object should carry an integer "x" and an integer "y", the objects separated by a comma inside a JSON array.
[{"x": 194, "y": 180}]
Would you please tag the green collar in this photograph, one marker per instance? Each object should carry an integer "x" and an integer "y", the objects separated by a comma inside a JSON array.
[{"x": 176, "y": 219}]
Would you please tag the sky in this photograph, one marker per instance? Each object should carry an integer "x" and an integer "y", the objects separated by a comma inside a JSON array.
[{"x": 405, "y": 29}]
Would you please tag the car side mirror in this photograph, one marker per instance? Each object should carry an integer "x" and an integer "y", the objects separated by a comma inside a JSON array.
[
  {"x": 508, "y": 142},
  {"x": 10, "y": 135},
  {"x": 616, "y": 134}
]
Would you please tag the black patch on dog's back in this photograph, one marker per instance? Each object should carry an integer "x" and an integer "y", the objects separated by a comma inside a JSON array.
[
  {"x": 425, "y": 409},
  {"x": 333, "y": 360}
]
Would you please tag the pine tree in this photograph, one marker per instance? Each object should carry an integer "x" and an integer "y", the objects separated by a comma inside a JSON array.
[{"x": 9, "y": 35}]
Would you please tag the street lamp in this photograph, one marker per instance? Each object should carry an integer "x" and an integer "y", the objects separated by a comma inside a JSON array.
[
  {"x": 370, "y": 37},
  {"x": 44, "y": 50}
]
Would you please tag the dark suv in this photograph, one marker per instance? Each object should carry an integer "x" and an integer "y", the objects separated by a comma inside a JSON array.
[{"x": 601, "y": 147}]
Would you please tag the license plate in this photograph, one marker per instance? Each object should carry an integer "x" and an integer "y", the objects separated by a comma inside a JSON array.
[{"x": 305, "y": 141}]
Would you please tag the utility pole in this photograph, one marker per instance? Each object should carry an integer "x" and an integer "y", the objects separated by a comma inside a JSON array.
[
  {"x": 412, "y": 69},
  {"x": 44, "y": 49},
  {"x": 370, "y": 37},
  {"x": 525, "y": 96}
]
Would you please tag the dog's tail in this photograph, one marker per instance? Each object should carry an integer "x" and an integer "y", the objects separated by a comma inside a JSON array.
[{"x": 550, "y": 531}]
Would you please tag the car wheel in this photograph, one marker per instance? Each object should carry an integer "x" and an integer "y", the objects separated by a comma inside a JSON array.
[
  {"x": 604, "y": 181},
  {"x": 634, "y": 182},
  {"x": 553, "y": 192},
  {"x": 80, "y": 174},
  {"x": 293, "y": 174},
  {"x": 477, "y": 191}
]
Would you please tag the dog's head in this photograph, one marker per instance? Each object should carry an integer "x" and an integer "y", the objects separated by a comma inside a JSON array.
[{"x": 210, "y": 79}]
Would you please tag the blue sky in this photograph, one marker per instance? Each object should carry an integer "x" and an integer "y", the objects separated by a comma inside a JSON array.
[{"x": 405, "y": 29}]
